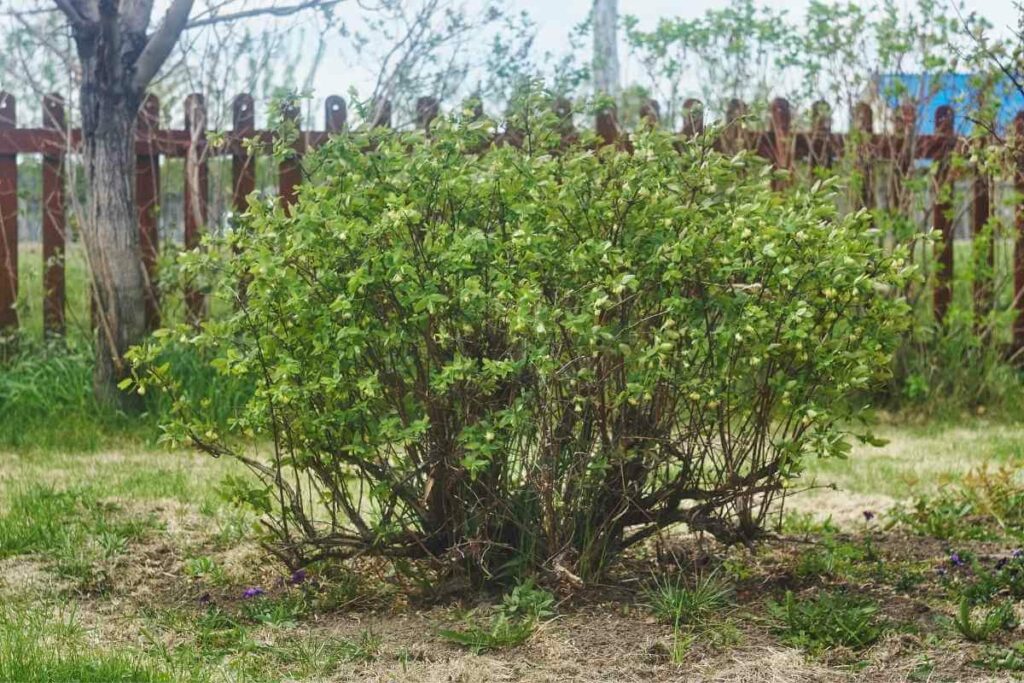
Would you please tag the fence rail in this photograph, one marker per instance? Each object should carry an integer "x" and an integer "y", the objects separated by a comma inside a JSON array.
[{"x": 778, "y": 142}]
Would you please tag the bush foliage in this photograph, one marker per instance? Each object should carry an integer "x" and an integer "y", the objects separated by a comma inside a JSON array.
[{"x": 533, "y": 353}]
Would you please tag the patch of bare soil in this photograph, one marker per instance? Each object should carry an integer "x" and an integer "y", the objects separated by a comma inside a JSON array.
[
  {"x": 588, "y": 647},
  {"x": 582, "y": 646},
  {"x": 27, "y": 575}
]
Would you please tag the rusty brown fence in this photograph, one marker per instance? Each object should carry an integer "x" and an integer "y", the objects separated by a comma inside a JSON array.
[
  {"x": 818, "y": 146},
  {"x": 55, "y": 143}
]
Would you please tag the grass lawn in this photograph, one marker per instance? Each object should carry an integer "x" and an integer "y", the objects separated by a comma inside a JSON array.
[
  {"x": 917, "y": 460},
  {"x": 128, "y": 565}
]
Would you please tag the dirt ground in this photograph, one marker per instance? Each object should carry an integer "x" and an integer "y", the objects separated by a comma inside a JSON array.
[{"x": 147, "y": 597}]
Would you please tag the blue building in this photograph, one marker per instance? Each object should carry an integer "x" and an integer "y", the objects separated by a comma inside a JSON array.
[{"x": 960, "y": 91}]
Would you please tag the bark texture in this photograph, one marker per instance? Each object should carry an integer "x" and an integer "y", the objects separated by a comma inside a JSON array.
[
  {"x": 109, "y": 229},
  {"x": 112, "y": 243},
  {"x": 118, "y": 59},
  {"x": 605, "y": 16}
]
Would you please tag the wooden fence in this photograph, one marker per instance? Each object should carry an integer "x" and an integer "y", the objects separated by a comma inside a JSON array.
[{"x": 778, "y": 142}]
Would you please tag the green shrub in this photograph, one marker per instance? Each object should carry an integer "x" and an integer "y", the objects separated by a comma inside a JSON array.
[
  {"x": 47, "y": 401},
  {"x": 527, "y": 601},
  {"x": 943, "y": 370},
  {"x": 515, "y": 621},
  {"x": 982, "y": 505},
  {"x": 43, "y": 386},
  {"x": 1002, "y": 658},
  {"x": 980, "y": 629},
  {"x": 675, "y": 603},
  {"x": 969, "y": 578},
  {"x": 501, "y": 633},
  {"x": 831, "y": 559},
  {"x": 533, "y": 355},
  {"x": 827, "y": 620}
]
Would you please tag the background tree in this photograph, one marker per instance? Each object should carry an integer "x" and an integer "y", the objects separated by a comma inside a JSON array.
[
  {"x": 119, "y": 48},
  {"x": 605, "y": 16},
  {"x": 110, "y": 53}
]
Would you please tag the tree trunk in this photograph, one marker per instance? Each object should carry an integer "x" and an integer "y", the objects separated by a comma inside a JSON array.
[
  {"x": 110, "y": 229},
  {"x": 606, "y": 49}
]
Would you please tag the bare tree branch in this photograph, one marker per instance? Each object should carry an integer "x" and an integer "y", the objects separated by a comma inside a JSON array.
[
  {"x": 36, "y": 11},
  {"x": 69, "y": 9},
  {"x": 89, "y": 9},
  {"x": 261, "y": 11},
  {"x": 978, "y": 38},
  {"x": 135, "y": 15},
  {"x": 161, "y": 43},
  {"x": 47, "y": 42}
]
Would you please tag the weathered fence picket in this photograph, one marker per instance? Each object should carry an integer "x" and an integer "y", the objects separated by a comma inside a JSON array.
[
  {"x": 8, "y": 218},
  {"x": 821, "y": 152},
  {"x": 54, "y": 221},
  {"x": 942, "y": 209},
  {"x": 984, "y": 262},
  {"x": 864, "y": 125},
  {"x": 778, "y": 140},
  {"x": 693, "y": 118},
  {"x": 243, "y": 164},
  {"x": 147, "y": 201},
  {"x": 289, "y": 171},
  {"x": 197, "y": 189},
  {"x": 1018, "y": 251}
]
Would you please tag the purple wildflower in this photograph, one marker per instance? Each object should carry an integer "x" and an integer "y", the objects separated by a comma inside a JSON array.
[
  {"x": 868, "y": 515},
  {"x": 298, "y": 576},
  {"x": 955, "y": 560},
  {"x": 1017, "y": 554},
  {"x": 253, "y": 592}
]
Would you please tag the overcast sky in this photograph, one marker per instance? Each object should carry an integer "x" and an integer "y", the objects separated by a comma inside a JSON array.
[{"x": 556, "y": 18}]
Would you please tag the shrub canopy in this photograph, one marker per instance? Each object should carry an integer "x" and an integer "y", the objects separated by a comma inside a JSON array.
[{"x": 534, "y": 355}]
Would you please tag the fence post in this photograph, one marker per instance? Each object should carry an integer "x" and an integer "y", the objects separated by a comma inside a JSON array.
[
  {"x": 1018, "y": 247},
  {"x": 650, "y": 113},
  {"x": 902, "y": 150},
  {"x": 478, "y": 108},
  {"x": 382, "y": 114},
  {"x": 733, "y": 138},
  {"x": 607, "y": 125},
  {"x": 820, "y": 144},
  {"x": 335, "y": 114},
  {"x": 243, "y": 165},
  {"x": 562, "y": 109},
  {"x": 147, "y": 201},
  {"x": 427, "y": 109},
  {"x": 983, "y": 264},
  {"x": 782, "y": 117},
  {"x": 941, "y": 208},
  {"x": 693, "y": 118},
  {"x": 864, "y": 123},
  {"x": 53, "y": 221},
  {"x": 289, "y": 171},
  {"x": 196, "y": 192},
  {"x": 8, "y": 221}
]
